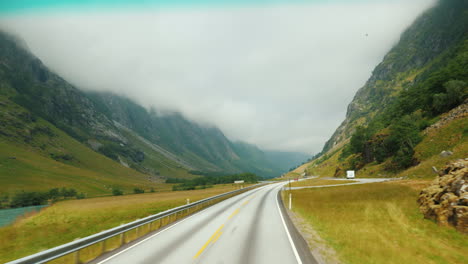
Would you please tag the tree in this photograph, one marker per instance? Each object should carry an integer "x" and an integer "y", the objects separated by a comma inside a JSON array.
[
  {"x": 404, "y": 136},
  {"x": 358, "y": 140}
]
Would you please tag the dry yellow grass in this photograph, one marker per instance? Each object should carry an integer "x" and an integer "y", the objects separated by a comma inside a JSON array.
[
  {"x": 318, "y": 182},
  {"x": 68, "y": 220},
  {"x": 378, "y": 223}
]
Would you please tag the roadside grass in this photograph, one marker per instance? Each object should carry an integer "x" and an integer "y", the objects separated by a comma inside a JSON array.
[
  {"x": 68, "y": 220},
  {"x": 378, "y": 223},
  {"x": 318, "y": 182}
]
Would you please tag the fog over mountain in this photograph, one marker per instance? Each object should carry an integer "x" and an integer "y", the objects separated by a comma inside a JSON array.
[{"x": 278, "y": 76}]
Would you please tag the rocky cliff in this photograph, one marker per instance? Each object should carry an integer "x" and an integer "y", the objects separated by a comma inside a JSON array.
[{"x": 422, "y": 49}]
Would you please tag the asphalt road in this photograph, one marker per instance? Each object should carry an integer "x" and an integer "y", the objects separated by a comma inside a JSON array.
[
  {"x": 247, "y": 228},
  {"x": 357, "y": 181}
]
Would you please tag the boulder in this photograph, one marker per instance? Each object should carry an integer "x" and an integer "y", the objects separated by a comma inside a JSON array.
[
  {"x": 446, "y": 153},
  {"x": 446, "y": 199}
]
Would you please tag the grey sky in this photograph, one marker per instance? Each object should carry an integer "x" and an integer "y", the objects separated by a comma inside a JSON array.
[{"x": 278, "y": 76}]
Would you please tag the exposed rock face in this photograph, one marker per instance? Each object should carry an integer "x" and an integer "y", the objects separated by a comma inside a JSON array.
[
  {"x": 446, "y": 153},
  {"x": 459, "y": 112},
  {"x": 446, "y": 199}
]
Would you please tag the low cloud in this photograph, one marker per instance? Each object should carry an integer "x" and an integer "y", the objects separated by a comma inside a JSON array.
[{"x": 276, "y": 76}]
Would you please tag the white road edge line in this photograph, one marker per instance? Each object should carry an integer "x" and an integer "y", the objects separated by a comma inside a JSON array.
[
  {"x": 120, "y": 252},
  {"x": 299, "y": 261}
]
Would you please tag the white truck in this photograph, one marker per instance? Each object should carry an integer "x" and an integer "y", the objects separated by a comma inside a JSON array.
[{"x": 350, "y": 174}]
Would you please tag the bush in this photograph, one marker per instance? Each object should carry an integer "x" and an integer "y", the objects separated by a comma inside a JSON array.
[
  {"x": 67, "y": 193},
  {"x": 455, "y": 93},
  {"x": 54, "y": 193},
  {"x": 23, "y": 199},
  {"x": 138, "y": 190},
  {"x": 117, "y": 192}
]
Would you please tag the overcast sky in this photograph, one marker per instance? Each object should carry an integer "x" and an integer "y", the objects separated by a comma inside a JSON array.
[{"x": 276, "y": 75}]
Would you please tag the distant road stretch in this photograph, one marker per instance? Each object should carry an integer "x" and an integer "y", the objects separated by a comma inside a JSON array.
[{"x": 247, "y": 228}]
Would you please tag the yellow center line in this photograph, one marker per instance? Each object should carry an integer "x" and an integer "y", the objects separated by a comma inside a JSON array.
[
  {"x": 216, "y": 238},
  {"x": 234, "y": 213},
  {"x": 209, "y": 241},
  {"x": 218, "y": 232}
]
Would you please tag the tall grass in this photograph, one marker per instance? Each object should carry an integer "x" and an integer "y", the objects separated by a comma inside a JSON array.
[
  {"x": 378, "y": 223},
  {"x": 69, "y": 220}
]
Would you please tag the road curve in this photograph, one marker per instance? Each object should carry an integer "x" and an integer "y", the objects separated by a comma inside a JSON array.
[
  {"x": 247, "y": 228},
  {"x": 357, "y": 181}
]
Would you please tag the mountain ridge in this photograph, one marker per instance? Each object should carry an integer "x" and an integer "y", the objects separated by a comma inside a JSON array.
[
  {"x": 423, "y": 76},
  {"x": 43, "y": 114}
]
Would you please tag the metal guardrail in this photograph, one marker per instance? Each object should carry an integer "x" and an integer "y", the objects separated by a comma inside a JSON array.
[{"x": 163, "y": 219}]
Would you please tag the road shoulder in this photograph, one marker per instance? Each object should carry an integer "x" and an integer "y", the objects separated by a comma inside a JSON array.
[
  {"x": 299, "y": 242},
  {"x": 322, "y": 253}
]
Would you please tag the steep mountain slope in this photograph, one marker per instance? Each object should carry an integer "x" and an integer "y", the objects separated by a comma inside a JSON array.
[
  {"x": 201, "y": 148},
  {"x": 54, "y": 135},
  {"x": 28, "y": 84},
  {"x": 422, "y": 77},
  {"x": 36, "y": 156},
  {"x": 435, "y": 37}
]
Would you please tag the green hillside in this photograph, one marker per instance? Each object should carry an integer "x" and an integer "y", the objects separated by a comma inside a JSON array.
[
  {"x": 410, "y": 92},
  {"x": 36, "y": 156}
]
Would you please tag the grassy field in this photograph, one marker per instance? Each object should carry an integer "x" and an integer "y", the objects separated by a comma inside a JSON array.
[
  {"x": 378, "y": 223},
  {"x": 30, "y": 171},
  {"x": 68, "y": 220},
  {"x": 318, "y": 182}
]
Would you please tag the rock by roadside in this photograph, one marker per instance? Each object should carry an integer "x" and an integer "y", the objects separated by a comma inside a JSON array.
[{"x": 446, "y": 199}]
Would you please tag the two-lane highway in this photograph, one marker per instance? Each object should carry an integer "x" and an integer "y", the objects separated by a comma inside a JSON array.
[{"x": 247, "y": 228}]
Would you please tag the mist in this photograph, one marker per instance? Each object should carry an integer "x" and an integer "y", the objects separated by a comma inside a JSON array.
[{"x": 278, "y": 76}]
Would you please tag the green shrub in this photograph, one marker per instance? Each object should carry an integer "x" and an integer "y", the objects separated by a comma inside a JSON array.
[
  {"x": 117, "y": 192},
  {"x": 138, "y": 190}
]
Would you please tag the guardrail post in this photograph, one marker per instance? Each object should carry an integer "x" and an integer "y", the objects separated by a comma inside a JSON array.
[
  {"x": 122, "y": 238},
  {"x": 103, "y": 247},
  {"x": 290, "y": 201},
  {"x": 76, "y": 257}
]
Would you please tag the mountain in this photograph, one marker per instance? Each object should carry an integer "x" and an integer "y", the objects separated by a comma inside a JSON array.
[
  {"x": 200, "y": 148},
  {"x": 416, "y": 85},
  {"x": 52, "y": 133}
]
